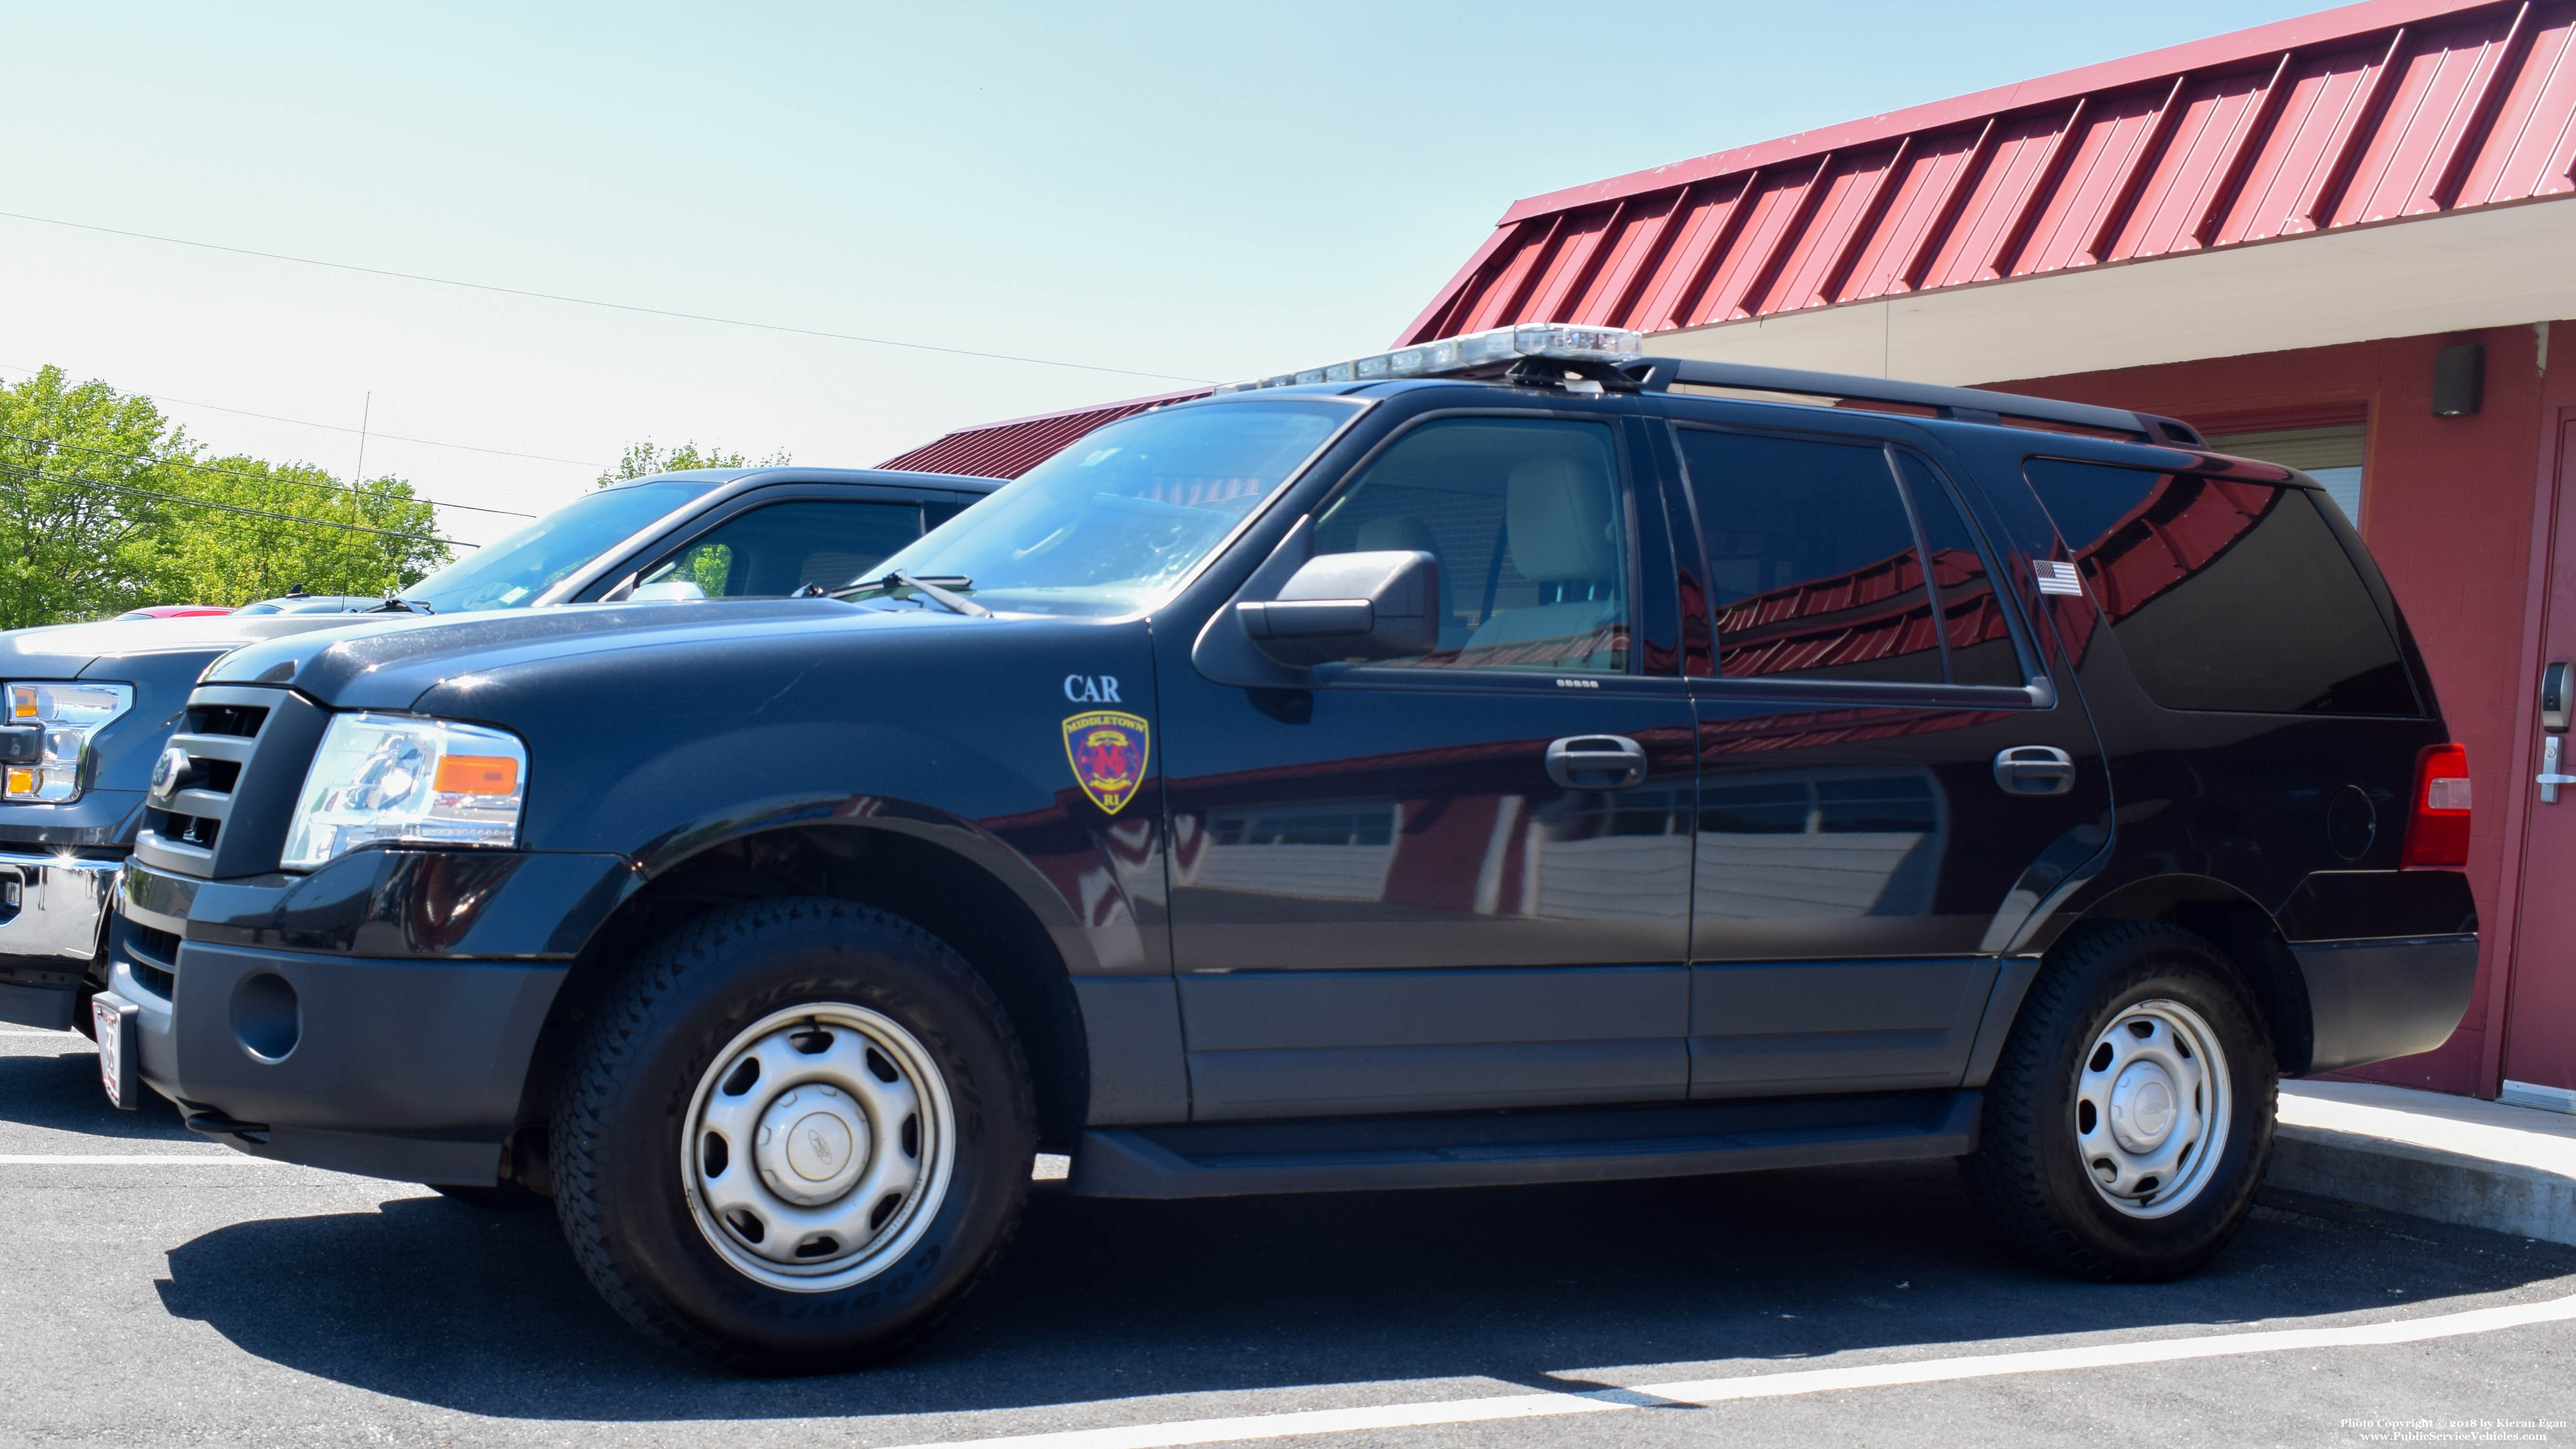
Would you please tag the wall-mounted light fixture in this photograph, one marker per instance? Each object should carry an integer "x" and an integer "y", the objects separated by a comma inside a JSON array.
[{"x": 2459, "y": 380}]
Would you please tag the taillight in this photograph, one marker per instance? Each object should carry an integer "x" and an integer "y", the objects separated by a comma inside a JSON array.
[{"x": 2437, "y": 824}]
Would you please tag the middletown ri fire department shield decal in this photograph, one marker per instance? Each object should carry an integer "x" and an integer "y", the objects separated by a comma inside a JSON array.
[{"x": 1108, "y": 754}]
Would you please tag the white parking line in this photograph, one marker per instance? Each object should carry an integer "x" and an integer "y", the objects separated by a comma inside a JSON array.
[
  {"x": 127, "y": 1159},
  {"x": 1704, "y": 1392}
]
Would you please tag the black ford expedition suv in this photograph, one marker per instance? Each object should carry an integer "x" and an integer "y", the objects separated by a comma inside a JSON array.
[
  {"x": 1492, "y": 762},
  {"x": 87, "y": 710}
]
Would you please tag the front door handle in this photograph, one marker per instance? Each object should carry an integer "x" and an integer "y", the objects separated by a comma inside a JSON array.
[
  {"x": 1596, "y": 762},
  {"x": 2034, "y": 770}
]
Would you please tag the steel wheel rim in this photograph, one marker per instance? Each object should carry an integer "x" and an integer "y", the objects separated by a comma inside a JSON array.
[
  {"x": 818, "y": 1147},
  {"x": 2152, "y": 1108}
]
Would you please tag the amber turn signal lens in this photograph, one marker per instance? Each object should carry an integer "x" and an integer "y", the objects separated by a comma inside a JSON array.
[
  {"x": 476, "y": 775},
  {"x": 22, "y": 782}
]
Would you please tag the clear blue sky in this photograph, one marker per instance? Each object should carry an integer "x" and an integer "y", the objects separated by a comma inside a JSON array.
[{"x": 1208, "y": 191}]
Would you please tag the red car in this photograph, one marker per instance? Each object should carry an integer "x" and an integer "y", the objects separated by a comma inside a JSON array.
[{"x": 174, "y": 611}]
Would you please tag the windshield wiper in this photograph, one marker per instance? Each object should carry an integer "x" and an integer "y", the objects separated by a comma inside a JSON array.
[
  {"x": 392, "y": 605},
  {"x": 953, "y": 603},
  {"x": 898, "y": 576}
]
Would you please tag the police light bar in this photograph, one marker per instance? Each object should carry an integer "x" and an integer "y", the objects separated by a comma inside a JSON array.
[{"x": 1476, "y": 351}]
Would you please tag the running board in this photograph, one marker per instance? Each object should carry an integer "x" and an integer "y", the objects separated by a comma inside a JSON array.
[{"x": 1368, "y": 1154}]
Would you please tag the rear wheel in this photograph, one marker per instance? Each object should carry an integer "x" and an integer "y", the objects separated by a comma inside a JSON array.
[
  {"x": 2129, "y": 1118},
  {"x": 794, "y": 1135}
]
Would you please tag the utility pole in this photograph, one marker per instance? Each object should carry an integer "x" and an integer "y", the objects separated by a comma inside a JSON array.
[{"x": 360, "y": 476}]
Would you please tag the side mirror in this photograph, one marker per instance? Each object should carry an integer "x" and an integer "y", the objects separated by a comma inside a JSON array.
[{"x": 1350, "y": 606}]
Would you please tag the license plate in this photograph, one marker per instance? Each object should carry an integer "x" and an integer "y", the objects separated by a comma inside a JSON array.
[{"x": 112, "y": 1021}]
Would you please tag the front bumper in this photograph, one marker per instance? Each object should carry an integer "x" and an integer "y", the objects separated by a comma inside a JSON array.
[
  {"x": 52, "y": 909},
  {"x": 400, "y": 1066}
]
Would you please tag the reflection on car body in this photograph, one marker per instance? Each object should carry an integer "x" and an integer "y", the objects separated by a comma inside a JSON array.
[{"x": 1852, "y": 841}]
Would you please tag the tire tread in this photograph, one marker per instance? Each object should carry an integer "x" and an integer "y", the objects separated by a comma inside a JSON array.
[
  {"x": 2004, "y": 1175},
  {"x": 627, "y": 1017}
]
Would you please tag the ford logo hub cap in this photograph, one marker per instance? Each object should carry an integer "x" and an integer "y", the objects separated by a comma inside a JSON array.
[{"x": 167, "y": 770}]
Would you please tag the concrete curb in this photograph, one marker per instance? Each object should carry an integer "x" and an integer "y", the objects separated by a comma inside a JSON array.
[
  {"x": 2451, "y": 1159},
  {"x": 2426, "y": 1183}
]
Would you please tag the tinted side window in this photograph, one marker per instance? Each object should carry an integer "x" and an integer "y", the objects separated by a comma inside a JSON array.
[
  {"x": 1811, "y": 560},
  {"x": 2225, "y": 595},
  {"x": 1530, "y": 525},
  {"x": 772, "y": 551},
  {"x": 1981, "y": 645}
]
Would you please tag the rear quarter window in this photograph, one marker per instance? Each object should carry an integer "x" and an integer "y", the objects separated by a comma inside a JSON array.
[{"x": 2225, "y": 595}]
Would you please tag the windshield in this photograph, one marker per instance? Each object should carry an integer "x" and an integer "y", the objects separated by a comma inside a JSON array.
[
  {"x": 510, "y": 571},
  {"x": 1112, "y": 523}
]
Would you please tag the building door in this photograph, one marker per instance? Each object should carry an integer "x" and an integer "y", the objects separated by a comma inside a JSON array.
[
  {"x": 2539, "y": 1047},
  {"x": 1384, "y": 898}
]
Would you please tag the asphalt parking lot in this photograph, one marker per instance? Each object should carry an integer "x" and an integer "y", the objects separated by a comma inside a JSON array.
[{"x": 218, "y": 1300}]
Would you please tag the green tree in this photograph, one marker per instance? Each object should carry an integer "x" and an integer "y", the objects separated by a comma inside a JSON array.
[
  {"x": 643, "y": 460},
  {"x": 79, "y": 520},
  {"x": 104, "y": 506},
  {"x": 374, "y": 539}
]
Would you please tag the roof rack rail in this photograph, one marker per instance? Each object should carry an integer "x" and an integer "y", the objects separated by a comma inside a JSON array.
[{"x": 1961, "y": 404}]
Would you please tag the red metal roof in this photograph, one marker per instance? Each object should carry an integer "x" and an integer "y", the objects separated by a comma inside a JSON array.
[
  {"x": 1009, "y": 449},
  {"x": 2383, "y": 110}
]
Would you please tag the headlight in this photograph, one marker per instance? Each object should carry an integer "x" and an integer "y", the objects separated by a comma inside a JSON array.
[
  {"x": 66, "y": 715},
  {"x": 398, "y": 778}
]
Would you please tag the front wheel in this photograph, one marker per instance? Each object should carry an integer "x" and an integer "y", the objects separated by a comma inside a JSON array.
[
  {"x": 2129, "y": 1119},
  {"x": 793, "y": 1136}
]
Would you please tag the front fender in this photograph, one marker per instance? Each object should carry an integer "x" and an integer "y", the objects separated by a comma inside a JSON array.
[
  {"x": 1093, "y": 944},
  {"x": 954, "y": 735}
]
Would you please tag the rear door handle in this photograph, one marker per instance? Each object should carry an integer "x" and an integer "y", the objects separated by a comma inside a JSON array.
[
  {"x": 2034, "y": 770},
  {"x": 1596, "y": 762}
]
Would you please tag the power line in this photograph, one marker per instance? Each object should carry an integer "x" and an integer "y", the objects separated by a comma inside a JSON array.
[
  {"x": 163, "y": 397},
  {"x": 39, "y": 473},
  {"x": 246, "y": 477},
  {"x": 237, "y": 473},
  {"x": 594, "y": 302}
]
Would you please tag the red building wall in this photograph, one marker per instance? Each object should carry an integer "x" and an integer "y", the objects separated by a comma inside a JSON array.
[{"x": 2448, "y": 509}]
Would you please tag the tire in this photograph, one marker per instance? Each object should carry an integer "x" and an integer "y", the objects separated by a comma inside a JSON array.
[
  {"x": 737, "y": 1164},
  {"x": 2069, "y": 1165},
  {"x": 499, "y": 1197}
]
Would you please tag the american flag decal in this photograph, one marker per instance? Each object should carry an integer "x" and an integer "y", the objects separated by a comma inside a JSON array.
[{"x": 2058, "y": 578}]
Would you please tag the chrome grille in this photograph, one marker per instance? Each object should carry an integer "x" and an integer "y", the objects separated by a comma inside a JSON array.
[
  {"x": 241, "y": 720},
  {"x": 218, "y": 734}
]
